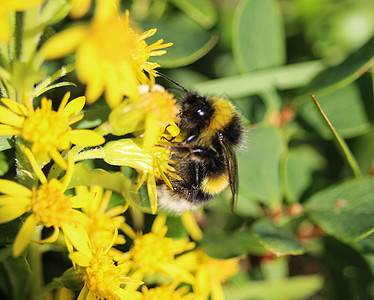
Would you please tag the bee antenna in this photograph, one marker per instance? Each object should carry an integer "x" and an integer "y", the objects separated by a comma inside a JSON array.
[{"x": 172, "y": 81}]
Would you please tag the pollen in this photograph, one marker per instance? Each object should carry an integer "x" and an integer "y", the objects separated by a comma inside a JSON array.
[
  {"x": 46, "y": 129},
  {"x": 103, "y": 276},
  {"x": 50, "y": 205}
]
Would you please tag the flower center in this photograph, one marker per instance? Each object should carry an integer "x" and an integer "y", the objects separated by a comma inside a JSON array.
[
  {"x": 151, "y": 252},
  {"x": 103, "y": 276},
  {"x": 46, "y": 129},
  {"x": 50, "y": 205}
]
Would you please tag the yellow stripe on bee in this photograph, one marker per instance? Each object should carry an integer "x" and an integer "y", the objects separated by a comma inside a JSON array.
[
  {"x": 223, "y": 113},
  {"x": 214, "y": 185}
]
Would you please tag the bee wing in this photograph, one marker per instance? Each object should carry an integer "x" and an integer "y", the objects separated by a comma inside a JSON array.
[{"x": 232, "y": 170}]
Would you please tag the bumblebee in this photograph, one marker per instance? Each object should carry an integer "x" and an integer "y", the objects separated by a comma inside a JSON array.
[{"x": 205, "y": 159}]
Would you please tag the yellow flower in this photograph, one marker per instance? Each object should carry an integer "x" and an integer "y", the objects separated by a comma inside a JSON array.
[
  {"x": 104, "y": 278},
  {"x": 155, "y": 253},
  {"x": 167, "y": 291},
  {"x": 46, "y": 205},
  {"x": 211, "y": 273},
  {"x": 101, "y": 222},
  {"x": 110, "y": 56},
  {"x": 47, "y": 131},
  {"x": 144, "y": 51}
]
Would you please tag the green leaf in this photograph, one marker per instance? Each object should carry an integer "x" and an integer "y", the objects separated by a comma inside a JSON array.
[
  {"x": 285, "y": 77},
  {"x": 201, "y": 11},
  {"x": 343, "y": 145},
  {"x": 215, "y": 244},
  {"x": 259, "y": 166},
  {"x": 93, "y": 116},
  {"x": 276, "y": 239},
  {"x": 356, "y": 64},
  {"x": 346, "y": 210},
  {"x": 4, "y": 165},
  {"x": 294, "y": 288},
  {"x": 5, "y": 143},
  {"x": 258, "y": 39},
  {"x": 345, "y": 110},
  {"x": 53, "y": 86},
  {"x": 363, "y": 150},
  {"x": 16, "y": 275},
  {"x": 275, "y": 269},
  {"x": 8, "y": 231},
  {"x": 176, "y": 228},
  {"x": 298, "y": 168},
  {"x": 190, "y": 41}
]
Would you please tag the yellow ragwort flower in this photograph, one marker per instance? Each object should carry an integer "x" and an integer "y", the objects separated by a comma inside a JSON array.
[
  {"x": 110, "y": 56},
  {"x": 167, "y": 291},
  {"x": 210, "y": 274},
  {"x": 104, "y": 278},
  {"x": 46, "y": 205},
  {"x": 47, "y": 131},
  {"x": 144, "y": 51},
  {"x": 101, "y": 222},
  {"x": 155, "y": 253}
]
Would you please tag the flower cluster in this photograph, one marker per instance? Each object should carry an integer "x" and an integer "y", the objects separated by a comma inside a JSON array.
[{"x": 56, "y": 200}]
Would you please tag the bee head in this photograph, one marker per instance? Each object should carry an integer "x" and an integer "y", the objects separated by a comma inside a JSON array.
[{"x": 196, "y": 111}]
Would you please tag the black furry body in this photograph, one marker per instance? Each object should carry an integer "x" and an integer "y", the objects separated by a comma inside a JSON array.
[{"x": 206, "y": 158}]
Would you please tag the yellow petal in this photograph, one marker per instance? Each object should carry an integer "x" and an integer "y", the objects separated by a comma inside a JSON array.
[
  {"x": 217, "y": 291},
  {"x": 53, "y": 237},
  {"x": 152, "y": 131},
  {"x": 58, "y": 158},
  {"x": 191, "y": 225},
  {"x": 82, "y": 200},
  {"x": 158, "y": 224},
  {"x": 64, "y": 43},
  {"x": 79, "y": 9},
  {"x": 69, "y": 171},
  {"x": 78, "y": 238},
  {"x": 14, "y": 200},
  {"x": 85, "y": 137},
  {"x": 89, "y": 71},
  {"x": 15, "y": 106},
  {"x": 10, "y": 118},
  {"x": 84, "y": 293},
  {"x": 24, "y": 235},
  {"x": 178, "y": 273},
  {"x": 9, "y": 130},
  {"x": 80, "y": 259},
  {"x": 63, "y": 102},
  {"x": 76, "y": 119},
  {"x": 152, "y": 192},
  {"x": 113, "y": 93},
  {"x": 34, "y": 164},
  {"x": 11, "y": 212},
  {"x": 74, "y": 107},
  {"x": 13, "y": 188}
]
